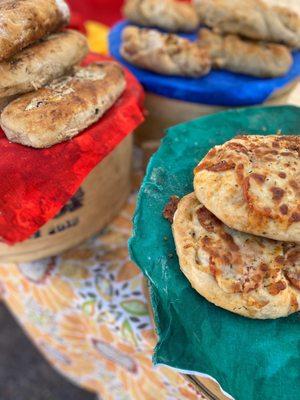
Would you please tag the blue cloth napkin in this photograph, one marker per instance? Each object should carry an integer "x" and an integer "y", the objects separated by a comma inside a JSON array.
[{"x": 217, "y": 88}]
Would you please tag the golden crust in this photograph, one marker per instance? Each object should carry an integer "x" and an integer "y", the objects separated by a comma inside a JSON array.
[
  {"x": 241, "y": 273},
  {"x": 244, "y": 56},
  {"x": 65, "y": 107},
  {"x": 164, "y": 53},
  {"x": 25, "y": 21},
  {"x": 41, "y": 63},
  {"x": 251, "y": 183},
  {"x": 170, "y": 15},
  {"x": 251, "y": 18}
]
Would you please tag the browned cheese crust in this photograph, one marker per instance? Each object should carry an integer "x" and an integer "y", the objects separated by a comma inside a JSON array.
[
  {"x": 170, "y": 15},
  {"x": 252, "y": 184},
  {"x": 25, "y": 21},
  {"x": 246, "y": 274},
  {"x": 65, "y": 107},
  {"x": 41, "y": 63},
  {"x": 231, "y": 52},
  {"x": 251, "y": 18},
  {"x": 164, "y": 53}
]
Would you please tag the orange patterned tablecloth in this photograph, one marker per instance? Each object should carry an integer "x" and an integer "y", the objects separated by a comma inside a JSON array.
[{"x": 86, "y": 310}]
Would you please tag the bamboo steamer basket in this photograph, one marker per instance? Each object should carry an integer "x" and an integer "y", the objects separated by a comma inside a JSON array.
[{"x": 99, "y": 199}]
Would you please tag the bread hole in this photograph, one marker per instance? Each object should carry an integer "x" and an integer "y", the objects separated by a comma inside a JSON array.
[
  {"x": 35, "y": 103},
  {"x": 97, "y": 111}
]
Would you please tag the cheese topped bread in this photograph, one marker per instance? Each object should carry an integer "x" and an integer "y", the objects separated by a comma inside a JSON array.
[
  {"x": 246, "y": 274},
  {"x": 65, "y": 107},
  {"x": 252, "y": 184},
  {"x": 41, "y": 63},
  {"x": 23, "y": 22}
]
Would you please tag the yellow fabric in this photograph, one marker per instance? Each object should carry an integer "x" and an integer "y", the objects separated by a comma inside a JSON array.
[{"x": 97, "y": 35}]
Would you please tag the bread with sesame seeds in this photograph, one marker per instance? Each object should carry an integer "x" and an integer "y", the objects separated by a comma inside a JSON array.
[
  {"x": 65, "y": 107},
  {"x": 41, "y": 63},
  {"x": 23, "y": 22},
  {"x": 252, "y": 184},
  {"x": 249, "y": 275}
]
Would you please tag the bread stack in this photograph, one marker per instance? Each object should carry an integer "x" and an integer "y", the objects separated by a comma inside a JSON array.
[
  {"x": 38, "y": 58},
  {"x": 238, "y": 235},
  {"x": 249, "y": 36},
  {"x": 244, "y": 36},
  {"x": 166, "y": 54}
]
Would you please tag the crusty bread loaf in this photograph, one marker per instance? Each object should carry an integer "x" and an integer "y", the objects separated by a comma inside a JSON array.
[
  {"x": 41, "y": 63},
  {"x": 254, "y": 19},
  {"x": 65, "y": 107},
  {"x": 5, "y": 101},
  {"x": 25, "y": 21},
  {"x": 163, "y": 53},
  {"x": 248, "y": 275},
  {"x": 231, "y": 52},
  {"x": 170, "y": 15}
]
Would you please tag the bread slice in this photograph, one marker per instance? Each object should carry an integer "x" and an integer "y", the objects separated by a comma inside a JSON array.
[
  {"x": 25, "y": 21},
  {"x": 41, "y": 63},
  {"x": 65, "y": 107},
  {"x": 252, "y": 184},
  {"x": 245, "y": 274}
]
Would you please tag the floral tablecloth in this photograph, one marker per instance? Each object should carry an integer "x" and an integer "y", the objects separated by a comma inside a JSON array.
[{"x": 86, "y": 310}]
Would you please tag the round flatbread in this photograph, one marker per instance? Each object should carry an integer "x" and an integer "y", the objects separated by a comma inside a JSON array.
[
  {"x": 252, "y": 184},
  {"x": 246, "y": 274}
]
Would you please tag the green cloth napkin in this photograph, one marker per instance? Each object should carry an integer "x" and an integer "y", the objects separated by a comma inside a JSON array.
[{"x": 251, "y": 359}]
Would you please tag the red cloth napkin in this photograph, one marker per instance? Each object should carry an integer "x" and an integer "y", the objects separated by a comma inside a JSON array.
[
  {"x": 77, "y": 22},
  {"x": 108, "y": 12},
  {"x": 105, "y": 11},
  {"x": 35, "y": 184}
]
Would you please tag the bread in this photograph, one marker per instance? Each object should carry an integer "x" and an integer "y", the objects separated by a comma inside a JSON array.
[
  {"x": 245, "y": 274},
  {"x": 164, "y": 53},
  {"x": 26, "y": 21},
  {"x": 5, "y": 101},
  {"x": 233, "y": 53},
  {"x": 252, "y": 184},
  {"x": 41, "y": 63},
  {"x": 251, "y": 18},
  {"x": 65, "y": 107},
  {"x": 170, "y": 15}
]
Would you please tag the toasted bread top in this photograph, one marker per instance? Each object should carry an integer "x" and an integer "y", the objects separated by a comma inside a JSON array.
[
  {"x": 246, "y": 274},
  {"x": 252, "y": 183}
]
